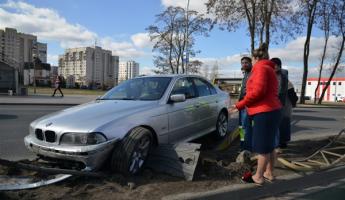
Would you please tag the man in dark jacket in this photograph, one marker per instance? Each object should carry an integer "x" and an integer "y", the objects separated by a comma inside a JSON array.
[
  {"x": 245, "y": 132},
  {"x": 284, "y": 127}
]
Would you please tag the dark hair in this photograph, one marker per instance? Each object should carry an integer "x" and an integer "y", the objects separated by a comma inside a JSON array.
[
  {"x": 246, "y": 58},
  {"x": 277, "y": 61},
  {"x": 261, "y": 52}
]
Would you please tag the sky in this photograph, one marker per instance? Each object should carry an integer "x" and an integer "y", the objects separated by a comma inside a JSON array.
[{"x": 120, "y": 26}]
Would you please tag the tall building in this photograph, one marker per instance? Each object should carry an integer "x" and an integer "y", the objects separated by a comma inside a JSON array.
[
  {"x": 16, "y": 48},
  {"x": 89, "y": 66},
  {"x": 40, "y": 50},
  {"x": 128, "y": 70},
  {"x": 19, "y": 49}
]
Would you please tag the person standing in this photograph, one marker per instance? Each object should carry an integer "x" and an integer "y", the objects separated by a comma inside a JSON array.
[
  {"x": 245, "y": 130},
  {"x": 284, "y": 133},
  {"x": 285, "y": 125},
  {"x": 263, "y": 106},
  {"x": 58, "y": 83}
]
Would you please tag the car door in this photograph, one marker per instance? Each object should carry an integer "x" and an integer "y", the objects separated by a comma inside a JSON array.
[
  {"x": 183, "y": 118},
  {"x": 207, "y": 104}
]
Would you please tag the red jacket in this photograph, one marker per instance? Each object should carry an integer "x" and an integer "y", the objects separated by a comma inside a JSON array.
[{"x": 262, "y": 89}]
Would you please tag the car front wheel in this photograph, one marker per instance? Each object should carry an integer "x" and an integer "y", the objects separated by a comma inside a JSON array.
[
  {"x": 130, "y": 155},
  {"x": 222, "y": 125}
]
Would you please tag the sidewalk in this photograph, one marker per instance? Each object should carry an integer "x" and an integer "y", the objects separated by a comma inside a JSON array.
[
  {"x": 41, "y": 99},
  {"x": 283, "y": 184}
]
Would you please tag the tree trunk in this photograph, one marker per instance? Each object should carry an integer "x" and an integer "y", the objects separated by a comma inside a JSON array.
[
  {"x": 269, "y": 9},
  {"x": 251, "y": 22},
  {"x": 311, "y": 17},
  {"x": 334, "y": 69},
  {"x": 321, "y": 66}
]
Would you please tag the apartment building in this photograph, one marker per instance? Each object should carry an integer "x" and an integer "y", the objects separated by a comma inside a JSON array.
[
  {"x": 89, "y": 66},
  {"x": 18, "y": 49},
  {"x": 128, "y": 70}
]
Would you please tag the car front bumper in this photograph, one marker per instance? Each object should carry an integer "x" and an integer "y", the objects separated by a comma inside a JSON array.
[{"x": 92, "y": 156}]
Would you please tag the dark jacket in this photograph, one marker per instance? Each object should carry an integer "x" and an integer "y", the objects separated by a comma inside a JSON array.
[
  {"x": 283, "y": 86},
  {"x": 244, "y": 85},
  {"x": 292, "y": 96}
]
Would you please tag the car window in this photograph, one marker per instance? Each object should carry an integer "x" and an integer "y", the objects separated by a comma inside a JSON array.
[
  {"x": 202, "y": 87},
  {"x": 212, "y": 89},
  {"x": 146, "y": 88},
  {"x": 184, "y": 86}
]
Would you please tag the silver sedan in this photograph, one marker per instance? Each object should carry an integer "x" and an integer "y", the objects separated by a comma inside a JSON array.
[{"x": 128, "y": 121}]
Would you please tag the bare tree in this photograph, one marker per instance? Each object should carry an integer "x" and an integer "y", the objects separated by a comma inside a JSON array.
[
  {"x": 325, "y": 25},
  {"x": 172, "y": 36},
  {"x": 263, "y": 17},
  {"x": 307, "y": 12},
  {"x": 338, "y": 9},
  {"x": 214, "y": 72},
  {"x": 206, "y": 71}
]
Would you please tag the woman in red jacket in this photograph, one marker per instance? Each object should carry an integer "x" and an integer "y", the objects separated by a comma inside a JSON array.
[{"x": 263, "y": 107}]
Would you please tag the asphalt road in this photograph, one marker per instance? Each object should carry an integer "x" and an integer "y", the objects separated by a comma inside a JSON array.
[
  {"x": 311, "y": 122},
  {"x": 15, "y": 120},
  {"x": 14, "y": 126}
]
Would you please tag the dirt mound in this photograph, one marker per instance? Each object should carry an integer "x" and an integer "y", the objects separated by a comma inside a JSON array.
[{"x": 215, "y": 169}]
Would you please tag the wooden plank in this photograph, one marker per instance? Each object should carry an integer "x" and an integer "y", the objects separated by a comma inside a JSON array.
[
  {"x": 177, "y": 160},
  {"x": 324, "y": 157},
  {"x": 331, "y": 153},
  {"x": 302, "y": 164},
  {"x": 317, "y": 162}
]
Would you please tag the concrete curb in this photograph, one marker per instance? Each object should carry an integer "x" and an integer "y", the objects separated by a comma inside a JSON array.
[
  {"x": 319, "y": 106},
  {"x": 287, "y": 183}
]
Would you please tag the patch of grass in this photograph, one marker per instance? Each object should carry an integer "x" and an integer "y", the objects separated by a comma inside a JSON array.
[{"x": 47, "y": 90}]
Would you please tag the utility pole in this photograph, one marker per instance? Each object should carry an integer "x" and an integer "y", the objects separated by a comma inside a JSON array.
[
  {"x": 34, "y": 75},
  {"x": 187, "y": 37},
  {"x": 35, "y": 59}
]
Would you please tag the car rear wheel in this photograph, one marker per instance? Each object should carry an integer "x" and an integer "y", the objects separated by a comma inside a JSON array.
[
  {"x": 222, "y": 125},
  {"x": 130, "y": 155}
]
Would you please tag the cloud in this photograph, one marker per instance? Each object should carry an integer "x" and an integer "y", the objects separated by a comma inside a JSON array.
[
  {"x": 47, "y": 24},
  {"x": 142, "y": 40},
  {"x": 291, "y": 55},
  {"x": 197, "y": 5},
  {"x": 146, "y": 70},
  {"x": 293, "y": 51}
]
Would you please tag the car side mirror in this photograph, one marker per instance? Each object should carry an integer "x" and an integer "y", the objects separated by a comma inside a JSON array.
[
  {"x": 98, "y": 98},
  {"x": 177, "y": 98}
]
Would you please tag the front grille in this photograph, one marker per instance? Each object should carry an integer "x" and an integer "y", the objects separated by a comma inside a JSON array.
[
  {"x": 39, "y": 134},
  {"x": 50, "y": 136}
]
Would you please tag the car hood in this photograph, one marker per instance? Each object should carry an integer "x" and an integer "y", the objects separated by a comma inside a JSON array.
[{"x": 87, "y": 117}]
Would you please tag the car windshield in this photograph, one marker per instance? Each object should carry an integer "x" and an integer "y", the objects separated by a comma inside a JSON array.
[{"x": 145, "y": 88}]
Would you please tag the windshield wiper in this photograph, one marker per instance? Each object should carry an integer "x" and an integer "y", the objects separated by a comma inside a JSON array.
[
  {"x": 118, "y": 99},
  {"x": 126, "y": 98}
]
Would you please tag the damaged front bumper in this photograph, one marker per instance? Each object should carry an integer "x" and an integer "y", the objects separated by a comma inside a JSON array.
[{"x": 91, "y": 156}]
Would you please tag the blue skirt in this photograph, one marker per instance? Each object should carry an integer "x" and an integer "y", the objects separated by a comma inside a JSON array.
[{"x": 265, "y": 129}]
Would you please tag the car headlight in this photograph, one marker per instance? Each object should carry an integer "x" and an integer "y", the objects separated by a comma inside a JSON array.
[{"x": 81, "y": 139}]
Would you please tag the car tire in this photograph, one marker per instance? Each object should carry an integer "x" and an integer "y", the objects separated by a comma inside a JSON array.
[
  {"x": 221, "y": 126},
  {"x": 130, "y": 154}
]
